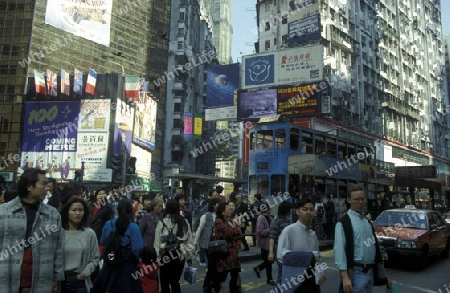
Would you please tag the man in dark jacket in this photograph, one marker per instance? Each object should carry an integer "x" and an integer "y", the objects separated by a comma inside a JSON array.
[{"x": 330, "y": 213}]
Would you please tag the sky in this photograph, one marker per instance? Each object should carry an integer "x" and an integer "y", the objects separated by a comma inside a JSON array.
[{"x": 244, "y": 24}]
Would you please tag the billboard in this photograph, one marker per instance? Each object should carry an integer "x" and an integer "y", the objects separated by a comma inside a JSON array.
[
  {"x": 221, "y": 85},
  {"x": 302, "y": 8},
  {"x": 143, "y": 164},
  {"x": 304, "y": 30},
  {"x": 257, "y": 104},
  {"x": 93, "y": 137},
  {"x": 298, "y": 101},
  {"x": 50, "y": 137},
  {"x": 123, "y": 128},
  {"x": 296, "y": 65},
  {"x": 188, "y": 125},
  {"x": 145, "y": 123},
  {"x": 88, "y": 19},
  {"x": 225, "y": 113}
]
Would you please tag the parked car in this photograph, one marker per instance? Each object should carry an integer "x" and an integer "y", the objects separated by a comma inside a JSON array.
[{"x": 413, "y": 233}]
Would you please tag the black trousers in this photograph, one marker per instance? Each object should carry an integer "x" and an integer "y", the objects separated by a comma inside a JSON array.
[
  {"x": 266, "y": 264},
  {"x": 243, "y": 240},
  {"x": 169, "y": 274}
]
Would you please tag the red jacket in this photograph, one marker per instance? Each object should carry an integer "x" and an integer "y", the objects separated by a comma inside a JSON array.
[{"x": 149, "y": 277}]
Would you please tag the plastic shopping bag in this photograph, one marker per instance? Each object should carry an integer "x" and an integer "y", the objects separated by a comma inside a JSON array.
[
  {"x": 190, "y": 274},
  {"x": 392, "y": 290}
]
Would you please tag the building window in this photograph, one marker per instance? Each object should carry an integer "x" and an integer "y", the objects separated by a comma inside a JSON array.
[
  {"x": 283, "y": 39},
  {"x": 177, "y": 108},
  {"x": 182, "y": 15},
  {"x": 177, "y": 123},
  {"x": 284, "y": 20},
  {"x": 267, "y": 45},
  {"x": 180, "y": 45},
  {"x": 267, "y": 25},
  {"x": 181, "y": 32},
  {"x": 274, "y": 42}
]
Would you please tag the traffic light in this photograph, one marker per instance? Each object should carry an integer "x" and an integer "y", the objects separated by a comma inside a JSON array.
[
  {"x": 131, "y": 169},
  {"x": 77, "y": 177},
  {"x": 116, "y": 163}
]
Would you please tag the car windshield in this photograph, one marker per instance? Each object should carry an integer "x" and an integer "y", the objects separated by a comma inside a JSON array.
[{"x": 405, "y": 219}]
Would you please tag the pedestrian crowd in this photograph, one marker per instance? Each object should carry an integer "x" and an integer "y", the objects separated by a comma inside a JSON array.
[{"x": 61, "y": 241}]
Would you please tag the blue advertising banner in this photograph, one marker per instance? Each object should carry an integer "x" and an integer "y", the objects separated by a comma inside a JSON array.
[
  {"x": 304, "y": 30},
  {"x": 259, "y": 70},
  {"x": 221, "y": 85},
  {"x": 50, "y": 137},
  {"x": 257, "y": 104}
]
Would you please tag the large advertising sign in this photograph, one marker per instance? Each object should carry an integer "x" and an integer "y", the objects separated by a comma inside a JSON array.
[
  {"x": 257, "y": 104},
  {"x": 302, "y": 8},
  {"x": 93, "y": 136},
  {"x": 145, "y": 123},
  {"x": 50, "y": 137},
  {"x": 304, "y": 30},
  {"x": 221, "y": 85},
  {"x": 88, "y": 19},
  {"x": 298, "y": 101},
  {"x": 123, "y": 128},
  {"x": 143, "y": 164},
  {"x": 297, "y": 65}
]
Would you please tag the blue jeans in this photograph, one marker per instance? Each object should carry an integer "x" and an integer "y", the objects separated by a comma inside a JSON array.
[
  {"x": 362, "y": 282},
  {"x": 73, "y": 285}
]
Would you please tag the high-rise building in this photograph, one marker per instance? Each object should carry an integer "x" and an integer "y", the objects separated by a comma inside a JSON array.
[
  {"x": 447, "y": 66},
  {"x": 190, "y": 52},
  {"x": 55, "y": 35},
  {"x": 384, "y": 64},
  {"x": 219, "y": 17}
]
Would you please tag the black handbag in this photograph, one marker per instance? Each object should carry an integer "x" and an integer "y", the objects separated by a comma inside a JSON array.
[
  {"x": 218, "y": 248},
  {"x": 379, "y": 275}
]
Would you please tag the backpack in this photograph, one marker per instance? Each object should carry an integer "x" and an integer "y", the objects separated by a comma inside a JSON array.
[
  {"x": 113, "y": 248},
  {"x": 170, "y": 240}
]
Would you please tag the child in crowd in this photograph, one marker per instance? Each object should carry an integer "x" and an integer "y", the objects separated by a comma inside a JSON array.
[{"x": 149, "y": 270}]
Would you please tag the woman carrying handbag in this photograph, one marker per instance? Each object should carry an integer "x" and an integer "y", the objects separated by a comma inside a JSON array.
[{"x": 226, "y": 229}]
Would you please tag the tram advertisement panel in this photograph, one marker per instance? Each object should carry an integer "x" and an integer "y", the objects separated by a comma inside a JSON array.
[{"x": 298, "y": 101}]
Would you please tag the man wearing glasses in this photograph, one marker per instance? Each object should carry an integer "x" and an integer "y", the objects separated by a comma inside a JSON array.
[
  {"x": 32, "y": 246},
  {"x": 353, "y": 258}
]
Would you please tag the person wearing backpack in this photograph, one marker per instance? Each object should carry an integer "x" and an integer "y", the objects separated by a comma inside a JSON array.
[
  {"x": 173, "y": 237},
  {"x": 122, "y": 248},
  {"x": 202, "y": 237}
]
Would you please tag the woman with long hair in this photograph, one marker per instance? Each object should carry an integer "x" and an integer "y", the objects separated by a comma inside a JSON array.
[
  {"x": 225, "y": 228},
  {"x": 149, "y": 222},
  {"x": 119, "y": 278},
  {"x": 170, "y": 272},
  {"x": 81, "y": 250},
  {"x": 263, "y": 241}
]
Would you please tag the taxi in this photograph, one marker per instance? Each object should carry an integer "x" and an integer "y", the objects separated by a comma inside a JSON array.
[{"x": 412, "y": 233}]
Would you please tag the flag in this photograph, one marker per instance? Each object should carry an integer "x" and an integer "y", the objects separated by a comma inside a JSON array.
[
  {"x": 65, "y": 82},
  {"x": 187, "y": 125},
  {"x": 90, "y": 83},
  {"x": 198, "y": 125},
  {"x": 78, "y": 82},
  {"x": 132, "y": 87},
  {"x": 143, "y": 89},
  {"x": 39, "y": 83},
  {"x": 52, "y": 83}
]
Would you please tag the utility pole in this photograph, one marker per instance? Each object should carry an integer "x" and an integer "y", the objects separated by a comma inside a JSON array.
[{"x": 124, "y": 167}]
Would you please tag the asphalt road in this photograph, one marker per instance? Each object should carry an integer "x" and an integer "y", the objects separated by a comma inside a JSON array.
[{"x": 407, "y": 278}]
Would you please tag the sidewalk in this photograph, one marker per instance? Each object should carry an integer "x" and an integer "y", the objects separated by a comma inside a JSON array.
[{"x": 255, "y": 252}]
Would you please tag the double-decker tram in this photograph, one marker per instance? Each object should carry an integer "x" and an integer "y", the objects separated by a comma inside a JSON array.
[{"x": 286, "y": 157}]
